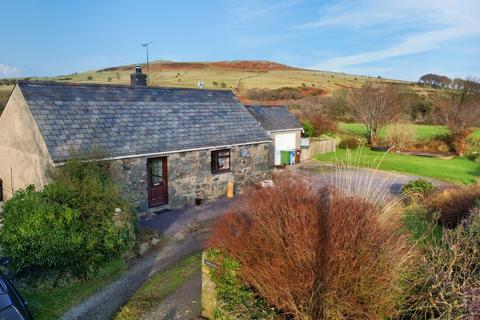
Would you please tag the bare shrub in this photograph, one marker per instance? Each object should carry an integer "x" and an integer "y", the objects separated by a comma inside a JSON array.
[
  {"x": 460, "y": 112},
  {"x": 453, "y": 204},
  {"x": 446, "y": 281},
  {"x": 400, "y": 136},
  {"x": 436, "y": 145},
  {"x": 349, "y": 142},
  {"x": 315, "y": 254},
  {"x": 321, "y": 124}
]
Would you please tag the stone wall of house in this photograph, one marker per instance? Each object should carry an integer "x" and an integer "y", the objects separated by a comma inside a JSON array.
[{"x": 190, "y": 177}]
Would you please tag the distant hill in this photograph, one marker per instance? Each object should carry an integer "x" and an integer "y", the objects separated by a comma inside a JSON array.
[
  {"x": 238, "y": 75},
  {"x": 245, "y": 65}
]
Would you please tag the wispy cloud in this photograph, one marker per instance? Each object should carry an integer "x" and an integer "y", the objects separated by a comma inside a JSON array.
[
  {"x": 433, "y": 23},
  {"x": 8, "y": 71},
  {"x": 248, "y": 11}
]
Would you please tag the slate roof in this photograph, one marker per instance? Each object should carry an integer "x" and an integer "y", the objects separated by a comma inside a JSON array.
[
  {"x": 128, "y": 121},
  {"x": 273, "y": 118}
]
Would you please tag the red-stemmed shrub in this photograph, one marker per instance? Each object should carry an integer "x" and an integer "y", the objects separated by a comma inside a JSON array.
[{"x": 315, "y": 253}]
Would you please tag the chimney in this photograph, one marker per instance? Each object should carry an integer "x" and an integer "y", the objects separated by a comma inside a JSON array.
[{"x": 138, "y": 79}]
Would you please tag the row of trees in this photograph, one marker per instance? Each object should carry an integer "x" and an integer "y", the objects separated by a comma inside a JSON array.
[{"x": 440, "y": 81}]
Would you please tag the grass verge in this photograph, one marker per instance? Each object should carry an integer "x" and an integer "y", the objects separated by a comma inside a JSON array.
[
  {"x": 160, "y": 286},
  {"x": 47, "y": 300},
  {"x": 457, "y": 170}
]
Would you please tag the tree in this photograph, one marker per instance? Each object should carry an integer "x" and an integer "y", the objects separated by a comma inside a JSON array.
[
  {"x": 435, "y": 80},
  {"x": 375, "y": 105},
  {"x": 460, "y": 111}
]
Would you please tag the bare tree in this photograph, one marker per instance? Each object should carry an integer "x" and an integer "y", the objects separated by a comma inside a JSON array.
[
  {"x": 375, "y": 105},
  {"x": 460, "y": 111}
]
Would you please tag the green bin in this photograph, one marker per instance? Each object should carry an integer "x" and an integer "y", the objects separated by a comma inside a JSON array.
[{"x": 284, "y": 157}]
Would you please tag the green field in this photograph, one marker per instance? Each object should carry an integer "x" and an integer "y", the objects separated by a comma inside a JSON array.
[
  {"x": 457, "y": 170},
  {"x": 422, "y": 131}
]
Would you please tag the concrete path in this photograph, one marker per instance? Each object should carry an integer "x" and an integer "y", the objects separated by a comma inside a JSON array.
[{"x": 188, "y": 228}]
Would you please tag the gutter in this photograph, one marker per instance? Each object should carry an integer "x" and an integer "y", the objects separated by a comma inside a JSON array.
[
  {"x": 283, "y": 130},
  {"x": 155, "y": 154}
]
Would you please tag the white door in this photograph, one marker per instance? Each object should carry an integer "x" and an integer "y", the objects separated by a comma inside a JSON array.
[{"x": 284, "y": 141}]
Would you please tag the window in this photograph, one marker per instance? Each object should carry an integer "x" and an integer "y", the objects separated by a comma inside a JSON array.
[{"x": 220, "y": 160}]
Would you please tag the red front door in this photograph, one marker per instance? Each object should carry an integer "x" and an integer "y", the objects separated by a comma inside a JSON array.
[{"x": 157, "y": 182}]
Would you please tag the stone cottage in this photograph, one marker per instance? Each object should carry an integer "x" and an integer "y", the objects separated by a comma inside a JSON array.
[{"x": 172, "y": 145}]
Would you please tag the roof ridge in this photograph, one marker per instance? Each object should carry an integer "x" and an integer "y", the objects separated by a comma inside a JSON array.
[{"x": 105, "y": 85}]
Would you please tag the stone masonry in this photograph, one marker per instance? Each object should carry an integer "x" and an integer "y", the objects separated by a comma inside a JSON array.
[{"x": 190, "y": 176}]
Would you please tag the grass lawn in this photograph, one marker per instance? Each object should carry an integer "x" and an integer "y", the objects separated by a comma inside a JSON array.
[
  {"x": 422, "y": 131},
  {"x": 159, "y": 287},
  {"x": 457, "y": 170},
  {"x": 50, "y": 301}
]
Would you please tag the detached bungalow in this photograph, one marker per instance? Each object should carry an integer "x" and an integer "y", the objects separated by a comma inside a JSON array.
[
  {"x": 172, "y": 145},
  {"x": 282, "y": 126}
]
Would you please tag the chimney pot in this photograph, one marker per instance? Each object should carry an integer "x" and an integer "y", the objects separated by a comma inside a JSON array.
[{"x": 138, "y": 79}]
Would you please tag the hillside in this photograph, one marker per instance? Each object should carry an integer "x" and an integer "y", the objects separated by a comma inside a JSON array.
[
  {"x": 239, "y": 76},
  {"x": 235, "y": 75}
]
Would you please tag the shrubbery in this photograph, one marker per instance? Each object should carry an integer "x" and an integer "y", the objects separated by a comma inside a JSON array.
[
  {"x": 315, "y": 254},
  {"x": 70, "y": 224},
  {"x": 435, "y": 145},
  {"x": 453, "y": 204},
  {"x": 308, "y": 129},
  {"x": 400, "y": 136},
  {"x": 235, "y": 300},
  {"x": 283, "y": 93},
  {"x": 445, "y": 282},
  {"x": 349, "y": 143},
  {"x": 322, "y": 125},
  {"x": 420, "y": 187}
]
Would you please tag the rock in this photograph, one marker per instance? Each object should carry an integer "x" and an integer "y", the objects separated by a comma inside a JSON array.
[
  {"x": 143, "y": 247},
  {"x": 154, "y": 241}
]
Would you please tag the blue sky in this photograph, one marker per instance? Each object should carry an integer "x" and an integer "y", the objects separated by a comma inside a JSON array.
[{"x": 394, "y": 39}]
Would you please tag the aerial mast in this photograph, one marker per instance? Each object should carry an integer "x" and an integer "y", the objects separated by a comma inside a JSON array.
[{"x": 145, "y": 45}]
